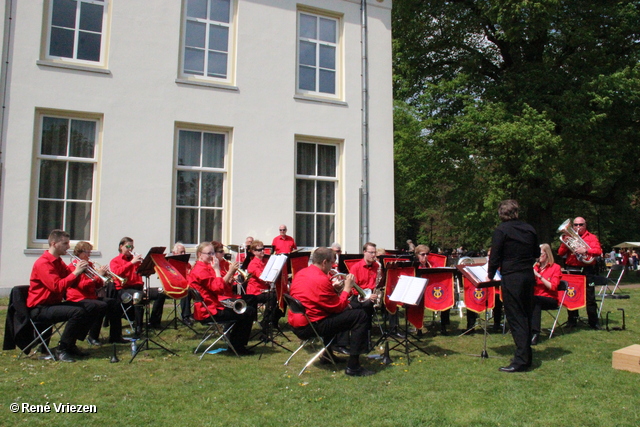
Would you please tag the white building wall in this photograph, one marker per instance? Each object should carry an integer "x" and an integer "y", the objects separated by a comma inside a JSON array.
[{"x": 141, "y": 103}]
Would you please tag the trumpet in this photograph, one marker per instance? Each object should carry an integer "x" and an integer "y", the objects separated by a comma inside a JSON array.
[
  {"x": 237, "y": 305},
  {"x": 91, "y": 272},
  {"x": 338, "y": 279},
  {"x": 112, "y": 275},
  {"x": 573, "y": 241}
]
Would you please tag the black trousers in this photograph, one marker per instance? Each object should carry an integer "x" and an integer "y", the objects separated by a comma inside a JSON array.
[
  {"x": 239, "y": 335},
  {"x": 541, "y": 303},
  {"x": 356, "y": 322},
  {"x": 517, "y": 295},
  {"x": 114, "y": 314},
  {"x": 79, "y": 318}
]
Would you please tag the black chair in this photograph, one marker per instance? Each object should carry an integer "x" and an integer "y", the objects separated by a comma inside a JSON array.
[
  {"x": 296, "y": 307},
  {"x": 213, "y": 327}
]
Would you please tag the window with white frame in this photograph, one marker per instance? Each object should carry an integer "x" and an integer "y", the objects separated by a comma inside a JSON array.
[
  {"x": 316, "y": 189},
  {"x": 317, "y": 54},
  {"x": 207, "y": 38},
  {"x": 67, "y": 163},
  {"x": 77, "y": 30},
  {"x": 200, "y": 183}
]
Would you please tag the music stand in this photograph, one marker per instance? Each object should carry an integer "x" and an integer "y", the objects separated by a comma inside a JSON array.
[
  {"x": 146, "y": 269},
  {"x": 182, "y": 258}
]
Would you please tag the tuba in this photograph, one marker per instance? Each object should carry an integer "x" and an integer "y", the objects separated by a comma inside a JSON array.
[
  {"x": 237, "y": 305},
  {"x": 573, "y": 241}
]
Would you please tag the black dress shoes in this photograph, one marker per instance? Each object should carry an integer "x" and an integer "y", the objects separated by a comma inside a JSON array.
[
  {"x": 74, "y": 350},
  {"x": 596, "y": 327},
  {"x": 358, "y": 372},
  {"x": 534, "y": 339},
  {"x": 512, "y": 368},
  {"x": 94, "y": 342},
  {"x": 341, "y": 350},
  {"x": 244, "y": 351},
  {"x": 63, "y": 356}
]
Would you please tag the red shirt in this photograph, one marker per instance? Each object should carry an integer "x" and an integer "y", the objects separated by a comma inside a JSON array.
[
  {"x": 552, "y": 274},
  {"x": 366, "y": 275},
  {"x": 203, "y": 279},
  {"x": 50, "y": 277},
  {"x": 594, "y": 250},
  {"x": 85, "y": 289},
  {"x": 121, "y": 266},
  {"x": 313, "y": 289},
  {"x": 283, "y": 244},
  {"x": 256, "y": 267}
]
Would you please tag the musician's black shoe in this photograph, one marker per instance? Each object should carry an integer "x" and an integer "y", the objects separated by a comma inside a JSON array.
[
  {"x": 443, "y": 331},
  {"x": 119, "y": 341},
  {"x": 188, "y": 321},
  {"x": 243, "y": 351},
  {"x": 76, "y": 351},
  {"x": 396, "y": 333},
  {"x": 340, "y": 349},
  {"x": 358, "y": 372},
  {"x": 534, "y": 339},
  {"x": 596, "y": 327},
  {"x": 512, "y": 368},
  {"x": 94, "y": 342},
  {"x": 155, "y": 325},
  {"x": 63, "y": 356}
]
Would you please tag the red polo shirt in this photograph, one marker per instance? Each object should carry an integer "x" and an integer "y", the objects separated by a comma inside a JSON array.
[
  {"x": 256, "y": 267},
  {"x": 122, "y": 267},
  {"x": 552, "y": 274},
  {"x": 365, "y": 274},
  {"x": 283, "y": 244},
  {"x": 594, "y": 250},
  {"x": 203, "y": 279},
  {"x": 50, "y": 277},
  {"x": 85, "y": 289}
]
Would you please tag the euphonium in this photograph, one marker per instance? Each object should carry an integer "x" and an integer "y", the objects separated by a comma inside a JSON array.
[
  {"x": 338, "y": 279},
  {"x": 237, "y": 305},
  {"x": 241, "y": 276},
  {"x": 573, "y": 241}
]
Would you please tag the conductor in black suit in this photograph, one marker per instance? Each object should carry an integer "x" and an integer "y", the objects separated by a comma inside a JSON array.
[{"x": 514, "y": 249}]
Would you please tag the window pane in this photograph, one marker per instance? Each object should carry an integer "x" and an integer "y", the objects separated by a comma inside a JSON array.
[
  {"x": 64, "y": 13},
  {"x": 217, "y": 64},
  {"x": 83, "y": 134},
  {"x": 218, "y": 38},
  {"x": 213, "y": 150},
  {"x": 328, "y": 57},
  {"x": 61, "y": 43},
  {"x": 186, "y": 226},
  {"x": 194, "y": 61},
  {"x": 326, "y": 197},
  {"x": 304, "y": 230},
  {"x": 307, "y": 53},
  {"x": 212, "y": 189},
  {"x": 52, "y": 179},
  {"x": 328, "y": 30},
  {"x": 305, "y": 195},
  {"x": 211, "y": 224},
  {"x": 197, "y": 9},
  {"x": 54, "y": 136},
  {"x": 91, "y": 17},
  {"x": 220, "y": 10},
  {"x": 308, "y": 27},
  {"x": 187, "y": 188},
  {"x": 78, "y": 220},
  {"x": 307, "y": 78},
  {"x": 189, "y": 148},
  {"x": 327, "y": 81},
  {"x": 327, "y": 160},
  {"x": 80, "y": 182},
  {"x": 195, "y": 34},
  {"x": 89, "y": 46},
  {"x": 306, "y": 157},
  {"x": 325, "y": 230},
  {"x": 49, "y": 218}
]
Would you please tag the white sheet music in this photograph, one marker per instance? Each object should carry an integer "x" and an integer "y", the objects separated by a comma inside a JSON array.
[
  {"x": 480, "y": 272},
  {"x": 409, "y": 290},
  {"x": 273, "y": 267}
]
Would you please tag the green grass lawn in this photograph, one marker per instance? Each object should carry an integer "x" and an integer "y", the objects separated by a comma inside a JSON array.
[{"x": 572, "y": 383}]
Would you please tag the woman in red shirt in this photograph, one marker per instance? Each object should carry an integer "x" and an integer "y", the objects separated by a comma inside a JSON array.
[
  {"x": 545, "y": 293},
  {"x": 125, "y": 266}
]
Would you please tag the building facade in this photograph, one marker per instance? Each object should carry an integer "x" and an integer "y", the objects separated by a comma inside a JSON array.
[{"x": 189, "y": 121}]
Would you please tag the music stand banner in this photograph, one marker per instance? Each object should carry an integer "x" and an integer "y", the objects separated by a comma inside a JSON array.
[
  {"x": 393, "y": 275},
  {"x": 476, "y": 298},
  {"x": 437, "y": 260},
  {"x": 173, "y": 283},
  {"x": 439, "y": 293},
  {"x": 576, "y": 291}
]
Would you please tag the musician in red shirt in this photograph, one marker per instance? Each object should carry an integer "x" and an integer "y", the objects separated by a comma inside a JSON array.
[
  {"x": 367, "y": 270},
  {"x": 50, "y": 278},
  {"x": 329, "y": 312},
  {"x": 125, "y": 266},
  {"x": 255, "y": 285},
  {"x": 207, "y": 281},
  {"x": 574, "y": 262},
  {"x": 283, "y": 244},
  {"x": 545, "y": 293},
  {"x": 185, "y": 303}
]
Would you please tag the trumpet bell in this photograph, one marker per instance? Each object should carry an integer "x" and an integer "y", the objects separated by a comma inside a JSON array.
[{"x": 239, "y": 306}]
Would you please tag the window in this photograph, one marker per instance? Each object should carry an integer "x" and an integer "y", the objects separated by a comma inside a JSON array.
[
  {"x": 66, "y": 165},
  {"x": 317, "y": 54},
  {"x": 207, "y": 35},
  {"x": 316, "y": 188},
  {"x": 77, "y": 30},
  {"x": 200, "y": 181}
]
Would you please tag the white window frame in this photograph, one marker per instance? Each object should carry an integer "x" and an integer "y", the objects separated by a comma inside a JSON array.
[
  {"x": 318, "y": 178},
  {"x": 319, "y": 15},
  {"x": 205, "y": 78},
  {"x": 39, "y": 157},
  {"x": 103, "y": 34},
  {"x": 200, "y": 169}
]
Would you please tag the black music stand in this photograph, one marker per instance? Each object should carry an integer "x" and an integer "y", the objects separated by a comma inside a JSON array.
[
  {"x": 146, "y": 269},
  {"x": 175, "y": 322}
]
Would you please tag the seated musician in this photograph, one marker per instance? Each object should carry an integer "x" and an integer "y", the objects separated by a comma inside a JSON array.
[
  {"x": 255, "y": 285},
  {"x": 86, "y": 292},
  {"x": 50, "y": 278},
  {"x": 545, "y": 293},
  {"x": 213, "y": 289},
  {"x": 185, "y": 303},
  {"x": 421, "y": 253},
  {"x": 329, "y": 312},
  {"x": 125, "y": 266}
]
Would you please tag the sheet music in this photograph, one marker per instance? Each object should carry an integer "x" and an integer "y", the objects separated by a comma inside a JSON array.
[
  {"x": 409, "y": 290},
  {"x": 273, "y": 267},
  {"x": 480, "y": 272}
]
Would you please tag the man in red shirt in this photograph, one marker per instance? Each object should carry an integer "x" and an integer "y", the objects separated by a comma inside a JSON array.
[
  {"x": 283, "y": 244},
  {"x": 329, "y": 312},
  {"x": 574, "y": 261},
  {"x": 50, "y": 278},
  {"x": 367, "y": 270}
]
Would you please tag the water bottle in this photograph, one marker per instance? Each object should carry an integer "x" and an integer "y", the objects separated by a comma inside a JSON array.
[{"x": 134, "y": 347}]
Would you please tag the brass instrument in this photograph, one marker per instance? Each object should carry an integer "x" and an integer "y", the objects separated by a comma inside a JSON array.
[
  {"x": 237, "y": 305},
  {"x": 241, "y": 277},
  {"x": 378, "y": 290},
  {"x": 111, "y": 274},
  {"x": 91, "y": 272},
  {"x": 573, "y": 241},
  {"x": 338, "y": 279}
]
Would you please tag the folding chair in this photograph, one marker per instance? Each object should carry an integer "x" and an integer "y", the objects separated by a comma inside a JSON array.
[
  {"x": 213, "y": 327},
  {"x": 614, "y": 277},
  {"x": 296, "y": 307},
  {"x": 562, "y": 287}
]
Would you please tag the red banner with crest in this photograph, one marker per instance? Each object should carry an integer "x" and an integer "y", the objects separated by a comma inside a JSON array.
[
  {"x": 439, "y": 295},
  {"x": 476, "y": 298},
  {"x": 173, "y": 283},
  {"x": 576, "y": 297}
]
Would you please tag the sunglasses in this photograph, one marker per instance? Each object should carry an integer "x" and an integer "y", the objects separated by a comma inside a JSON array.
[
  {"x": 424, "y": 254},
  {"x": 259, "y": 249},
  {"x": 129, "y": 247},
  {"x": 575, "y": 224}
]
